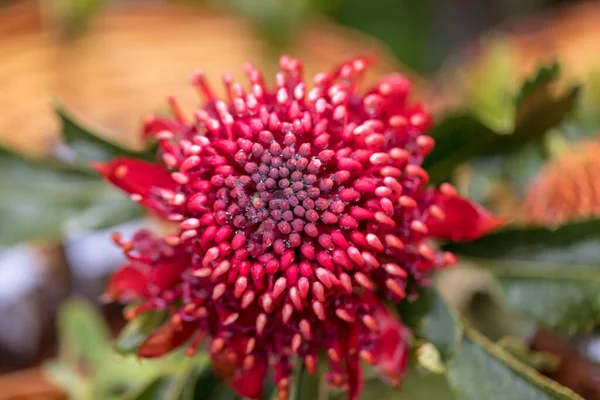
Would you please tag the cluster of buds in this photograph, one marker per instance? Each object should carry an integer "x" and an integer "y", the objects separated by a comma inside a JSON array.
[{"x": 297, "y": 208}]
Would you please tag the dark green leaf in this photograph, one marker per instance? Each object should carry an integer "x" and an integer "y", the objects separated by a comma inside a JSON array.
[
  {"x": 138, "y": 330},
  {"x": 563, "y": 298},
  {"x": 405, "y": 26},
  {"x": 85, "y": 144},
  {"x": 575, "y": 243},
  {"x": 156, "y": 390},
  {"x": 432, "y": 320},
  {"x": 40, "y": 202},
  {"x": 484, "y": 371},
  {"x": 541, "y": 105},
  {"x": 307, "y": 386},
  {"x": 210, "y": 386},
  {"x": 458, "y": 138}
]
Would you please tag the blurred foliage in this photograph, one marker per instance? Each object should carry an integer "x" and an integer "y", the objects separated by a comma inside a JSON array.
[
  {"x": 73, "y": 15},
  {"x": 60, "y": 193},
  {"x": 277, "y": 20},
  {"x": 498, "y": 127},
  {"x": 88, "y": 369},
  {"x": 137, "y": 331},
  {"x": 406, "y": 26}
]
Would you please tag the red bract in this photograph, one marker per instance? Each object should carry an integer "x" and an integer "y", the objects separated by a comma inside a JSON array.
[{"x": 294, "y": 206}]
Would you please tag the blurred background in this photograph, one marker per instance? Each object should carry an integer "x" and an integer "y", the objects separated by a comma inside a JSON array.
[{"x": 111, "y": 62}]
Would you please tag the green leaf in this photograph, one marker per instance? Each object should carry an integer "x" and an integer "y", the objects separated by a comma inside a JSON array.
[
  {"x": 404, "y": 26},
  {"x": 541, "y": 105},
  {"x": 484, "y": 371},
  {"x": 564, "y": 298},
  {"x": 83, "y": 332},
  {"x": 458, "y": 138},
  {"x": 489, "y": 314},
  {"x": 464, "y": 135},
  {"x": 138, "y": 330},
  {"x": 210, "y": 385},
  {"x": 573, "y": 243},
  {"x": 67, "y": 378},
  {"x": 307, "y": 386},
  {"x": 86, "y": 144},
  {"x": 156, "y": 390},
  {"x": 432, "y": 320},
  {"x": 41, "y": 200},
  {"x": 416, "y": 385}
]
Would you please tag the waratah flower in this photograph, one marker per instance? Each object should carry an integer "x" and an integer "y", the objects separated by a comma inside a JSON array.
[
  {"x": 295, "y": 206},
  {"x": 566, "y": 188}
]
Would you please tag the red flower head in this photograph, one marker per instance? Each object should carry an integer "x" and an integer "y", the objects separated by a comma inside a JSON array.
[{"x": 294, "y": 206}]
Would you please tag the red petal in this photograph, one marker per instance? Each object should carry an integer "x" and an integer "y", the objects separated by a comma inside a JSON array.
[
  {"x": 464, "y": 220},
  {"x": 356, "y": 381},
  {"x": 127, "y": 284},
  {"x": 167, "y": 274},
  {"x": 247, "y": 383},
  {"x": 392, "y": 348},
  {"x": 168, "y": 337},
  {"x": 348, "y": 343},
  {"x": 138, "y": 177},
  {"x": 250, "y": 383}
]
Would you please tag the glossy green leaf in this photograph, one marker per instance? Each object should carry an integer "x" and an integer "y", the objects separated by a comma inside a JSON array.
[
  {"x": 432, "y": 320},
  {"x": 484, "y": 371},
  {"x": 138, "y": 330},
  {"x": 573, "y": 243}
]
